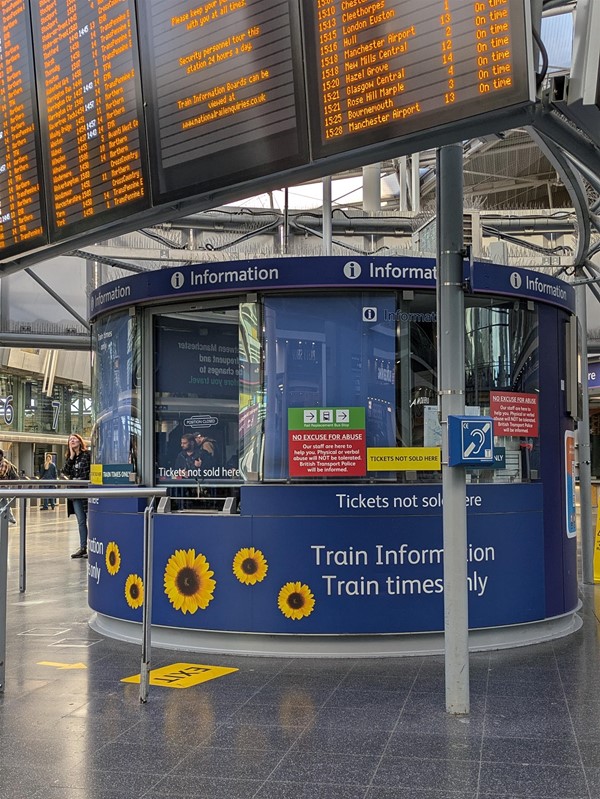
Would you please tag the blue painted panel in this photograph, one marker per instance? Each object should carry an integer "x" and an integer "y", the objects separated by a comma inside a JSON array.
[{"x": 348, "y": 574}]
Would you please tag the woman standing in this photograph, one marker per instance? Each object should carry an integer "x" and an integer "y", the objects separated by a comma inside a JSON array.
[
  {"x": 48, "y": 472},
  {"x": 77, "y": 467}
]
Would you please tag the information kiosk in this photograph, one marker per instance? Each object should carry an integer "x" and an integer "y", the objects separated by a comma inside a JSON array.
[{"x": 290, "y": 405}]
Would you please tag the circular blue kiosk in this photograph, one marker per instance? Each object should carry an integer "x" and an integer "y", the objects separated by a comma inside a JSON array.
[{"x": 290, "y": 406}]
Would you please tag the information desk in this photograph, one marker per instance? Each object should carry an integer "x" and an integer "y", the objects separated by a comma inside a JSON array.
[
  {"x": 330, "y": 561},
  {"x": 325, "y": 425}
]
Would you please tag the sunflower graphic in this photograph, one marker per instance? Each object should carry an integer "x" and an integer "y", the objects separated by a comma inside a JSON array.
[
  {"x": 250, "y": 566},
  {"x": 188, "y": 581},
  {"x": 296, "y": 600},
  {"x": 134, "y": 591},
  {"x": 113, "y": 558}
]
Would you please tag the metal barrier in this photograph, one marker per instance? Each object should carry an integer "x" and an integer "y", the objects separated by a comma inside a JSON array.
[{"x": 24, "y": 490}]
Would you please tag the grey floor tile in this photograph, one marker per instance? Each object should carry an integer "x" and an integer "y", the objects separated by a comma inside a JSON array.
[
  {"x": 434, "y": 747},
  {"x": 438, "y": 775},
  {"x": 344, "y": 740},
  {"x": 592, "y": 774},
  {"x": 418, "y": 793},
  {"x": 533, "y": 780},
  {"x": 357, "y": 718},
  {"x": 203, "y": 788},
  {"x": 551, "y": 751},
  {"x": 282, "y": 714},
  {"x": 299, "y": 790},
  {"x": 325, "y": 767},
  {"x": 245, "y": 764}
]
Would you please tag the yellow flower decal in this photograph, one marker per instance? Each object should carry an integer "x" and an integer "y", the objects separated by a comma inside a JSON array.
[
  {"x": 134, "y": 591},
  {"x": 250, "y": 566},
  {"x": 296, "y": 600},
  {"x": 188, "y": 581},
  {"x": 113, "y": 558}
]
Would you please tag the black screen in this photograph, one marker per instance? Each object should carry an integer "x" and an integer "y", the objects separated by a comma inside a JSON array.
[{"x": 224, "y": 95}]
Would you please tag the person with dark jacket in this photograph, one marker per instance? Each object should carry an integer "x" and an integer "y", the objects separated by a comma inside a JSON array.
[
  {"x": 8, "y": 471},
  {"x": 48, "y": 472},
  {"x": 77, "y": 467}
]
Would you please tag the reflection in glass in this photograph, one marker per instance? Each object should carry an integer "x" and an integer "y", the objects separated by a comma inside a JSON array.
[{"x": 116, "y": 434}]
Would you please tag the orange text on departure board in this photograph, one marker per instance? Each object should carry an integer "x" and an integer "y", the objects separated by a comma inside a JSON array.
[{"x": 93, "y": 127}]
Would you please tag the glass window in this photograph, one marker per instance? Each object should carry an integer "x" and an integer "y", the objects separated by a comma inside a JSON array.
[
  {"x": 327, "y": 352},
  {"x": 378, "y": 352},
  {"x": 196, "y": 396},
  {"x": 501, "y": 354},
  {"x": 117, "y": 430}
]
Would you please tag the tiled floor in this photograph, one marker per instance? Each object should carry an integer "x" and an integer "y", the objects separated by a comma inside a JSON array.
[{"x": 279, "y": 728}]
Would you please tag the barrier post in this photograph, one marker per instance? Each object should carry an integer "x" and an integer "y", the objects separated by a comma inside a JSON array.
[
  {"x": 147, "y": 604},
  {"x": 22, "y": 550},
  {"x": 3, "y": 587}
]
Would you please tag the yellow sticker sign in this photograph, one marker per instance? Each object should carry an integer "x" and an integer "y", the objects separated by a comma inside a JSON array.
[
  {"x": 404, "y": 459},
  {"x": 96, "y": 474},
  {"x": 183, "y": 675}
]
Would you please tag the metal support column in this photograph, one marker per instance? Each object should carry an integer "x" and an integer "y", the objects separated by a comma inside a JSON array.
[
  {"x": 327, "y": 218},
  {"x": 4, "y": 512},
  {"x": 451, "y": 353},
  {"x": 22, "y": 543},
  {"x": 147, "y": 606},
  {"x": 587, "y": 527}
]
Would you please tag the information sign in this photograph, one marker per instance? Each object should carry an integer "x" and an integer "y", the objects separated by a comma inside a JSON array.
[
  {"x": 327, "y": 442},
  {"x": 380, "y": 69},
  {"x": 88, "y": 73},
  {"x": 222, "y": 92},
  {"x": 514, "y": 413},
  {"x": 21, "y": 212}
]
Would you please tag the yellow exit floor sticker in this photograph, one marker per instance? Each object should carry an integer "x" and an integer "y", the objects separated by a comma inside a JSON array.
[{"x": 183, "y": 675}]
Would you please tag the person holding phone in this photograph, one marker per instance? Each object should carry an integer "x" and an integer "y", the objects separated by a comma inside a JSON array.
[{"x": 77, "y": 467}]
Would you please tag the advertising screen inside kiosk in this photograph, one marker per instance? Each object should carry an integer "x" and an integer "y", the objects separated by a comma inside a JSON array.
[
  {"x": 380, "y": 69},
  {"x": 222, "y": 79},
  {"x": 21, "y": 212},
  {"x": 87, "y": 69}
]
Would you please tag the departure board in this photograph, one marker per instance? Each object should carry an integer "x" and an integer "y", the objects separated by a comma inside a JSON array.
[
  {"x": 381, "y": 69},
  {"x": 91, "y": 111},
  {"x": 21, "y": 212},
  {"x": 225, "y": 102}
]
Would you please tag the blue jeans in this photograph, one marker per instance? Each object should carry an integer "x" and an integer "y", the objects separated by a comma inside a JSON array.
[
  {"x": 81, "y": 515},
  {"x": 45, "y": 503}
]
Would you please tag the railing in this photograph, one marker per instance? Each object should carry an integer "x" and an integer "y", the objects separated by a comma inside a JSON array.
[{"x": 28, "y": 489}]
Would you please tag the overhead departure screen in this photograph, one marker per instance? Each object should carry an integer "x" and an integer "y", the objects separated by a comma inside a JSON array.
[
  {"x": 382, "y": 69},
  {"x": 88, "y": 72},
  {"x": 221, "y": 89},
  {"x": 21, "y": 212}
]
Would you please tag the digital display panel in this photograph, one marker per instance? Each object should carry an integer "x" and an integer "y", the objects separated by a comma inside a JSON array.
[
  {"x": 225, "y": 98},
  {"x": 382, "y": 69},
  {"x": 91, "y": 120},
  {"x": 21, "y": 211}
]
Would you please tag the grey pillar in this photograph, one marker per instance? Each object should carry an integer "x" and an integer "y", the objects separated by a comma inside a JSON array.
[
  {"x": 327, "y": 220},
  {"x": 451, "y": 353},
  {"x": 584, "y": 451}
]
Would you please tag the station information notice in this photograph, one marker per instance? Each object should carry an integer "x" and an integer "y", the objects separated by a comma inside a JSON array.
[
  {"x": 20, "y": 195},
  {"x": 386, "y": 68},
  {"x": 222, "y": 90},
  {"x": 88, "y": 73}
]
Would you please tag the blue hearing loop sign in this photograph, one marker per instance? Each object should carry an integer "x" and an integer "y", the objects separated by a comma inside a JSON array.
[{"x": 470, "y": 441}]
